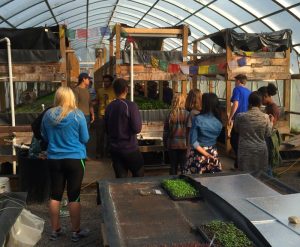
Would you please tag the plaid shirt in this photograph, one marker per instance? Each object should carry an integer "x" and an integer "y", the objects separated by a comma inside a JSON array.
[{"x": 175, "y": 131}]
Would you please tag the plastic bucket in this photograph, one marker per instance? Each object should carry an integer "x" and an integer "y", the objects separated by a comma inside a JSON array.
[{"x": 4, "y": 185}]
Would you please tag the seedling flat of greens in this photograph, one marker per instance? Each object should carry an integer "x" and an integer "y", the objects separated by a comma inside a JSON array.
[
  {"x": 226, "y": 234},
  {"x": 180, "y": 189}
]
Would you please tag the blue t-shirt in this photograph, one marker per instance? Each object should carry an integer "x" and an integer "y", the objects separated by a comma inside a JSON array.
[{"x": 241, "y": 94}]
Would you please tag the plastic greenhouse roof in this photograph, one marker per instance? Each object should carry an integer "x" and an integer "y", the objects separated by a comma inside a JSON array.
[{"x": 203, "y": 17}]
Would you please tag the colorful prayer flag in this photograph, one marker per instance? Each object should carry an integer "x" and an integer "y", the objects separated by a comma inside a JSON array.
[
  {"x": 81, "y": 33},
  {"x": 93, "y": 32},
  {"x": 71, "y": 34},
  {"x": 154, "y": 62},
  {"x": 163, "y": 65},
  {"x": 212, "y": 69},
  {"x": 242, "y": 61},
  {"x": 203, "y": 70},
  {"x": 174, "y": 68},
  {"x": 185, "y": 69},
  {"x": 105, "y": 31},
  {"x": 232, "y": 64},
  {"x": 193, "y": 70}
]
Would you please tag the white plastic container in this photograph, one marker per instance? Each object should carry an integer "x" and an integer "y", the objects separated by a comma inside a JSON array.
[
  {"x": 26, "y": 231},
  {"x": 4, "y": 185}
]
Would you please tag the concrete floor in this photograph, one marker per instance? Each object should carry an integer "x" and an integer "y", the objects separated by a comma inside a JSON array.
[{"x": 91, "y": 212}]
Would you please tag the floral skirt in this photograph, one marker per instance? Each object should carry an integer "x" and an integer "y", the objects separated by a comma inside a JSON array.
[{"x": 198, "y": 164}]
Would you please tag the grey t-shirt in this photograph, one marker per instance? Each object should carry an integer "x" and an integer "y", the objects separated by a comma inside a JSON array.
[{"x": 82, "y": 96}]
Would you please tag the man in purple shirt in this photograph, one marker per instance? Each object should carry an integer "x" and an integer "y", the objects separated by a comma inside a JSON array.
[
  {"x": 239, "y": 101},
  {"x": 123, "y": 122}
]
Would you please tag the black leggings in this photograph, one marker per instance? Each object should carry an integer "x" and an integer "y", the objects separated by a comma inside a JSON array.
[
  {"x": 177, "y": 158},
  {"x": 122, "y": 162},
  {"x": 66, "y": 170}
]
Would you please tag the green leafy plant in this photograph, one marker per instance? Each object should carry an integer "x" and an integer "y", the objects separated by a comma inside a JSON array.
[
  {"x": 179, "y": 188},
  {"x": 36, "y": 106},
  {"x": 150, "y": 104},
  {"x": 226, "y": 234}
]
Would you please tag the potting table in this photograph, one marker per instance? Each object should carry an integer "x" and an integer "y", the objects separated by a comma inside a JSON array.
[{"x": 138, "y": 212}]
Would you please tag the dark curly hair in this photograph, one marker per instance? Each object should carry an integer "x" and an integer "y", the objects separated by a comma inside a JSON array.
[{"x": 269, "y": 90}]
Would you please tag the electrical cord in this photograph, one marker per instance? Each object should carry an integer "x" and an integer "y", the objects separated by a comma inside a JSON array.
[{"x": 294, "y": 163}]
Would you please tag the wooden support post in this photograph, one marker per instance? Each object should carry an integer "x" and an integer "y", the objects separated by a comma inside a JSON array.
[
  {"x": 184, "y": 55},
  {"x": 287, "y": 100},
  {"x": 160, "y": 86},
  {"x": 2, "y": 96},
  {"x": 146, "y": 89},
  {"x": 287, "y": 91},
  {"x": 175, "y": 86},
  {"x": 104, "y": 56},
  {"x": 111, "y": 57},
  {"x": 118, "y": 49},
  {"x": 228, "y": 102},
  {"x": 211, "y": 86},
  {"x": 62, "y": 46},
  {"x": 194, "y": 58}
]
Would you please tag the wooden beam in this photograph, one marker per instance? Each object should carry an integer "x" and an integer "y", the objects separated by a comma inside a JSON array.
[
  {"x": 10, "y": 129},
  {"x": 8, "y": 158},
  {"x": 118, "y": 47},
  {"x": 228, "y": 102},
  {"x": 161, "y": 90},
  {"x": 154, "y": 31},
  {"x": 111, "y": 57},
  {"x": 194, "y": 58},
  {"x": 2, "y": 97},
  {"x": 185, "y": 31},
  {"x": 62, "y": 47},
  {"x": 35, "y": 72}
]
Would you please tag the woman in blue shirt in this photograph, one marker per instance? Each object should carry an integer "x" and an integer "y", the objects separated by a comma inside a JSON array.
[
  {"x": 206, "y": 127},
  {"x": 64, "y": 128}
]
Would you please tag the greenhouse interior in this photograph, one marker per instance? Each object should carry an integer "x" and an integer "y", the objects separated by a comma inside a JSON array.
[{"x": 162, "y": 123}]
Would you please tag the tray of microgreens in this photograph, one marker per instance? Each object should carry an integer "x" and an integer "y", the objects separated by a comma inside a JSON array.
[{"x": 180, "y": 189}]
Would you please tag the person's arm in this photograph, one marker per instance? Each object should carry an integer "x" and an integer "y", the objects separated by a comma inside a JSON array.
[
  {"x": 92, "y": 112},
  {"x": 233, "y": 109},
  {"x": 166, "y": 132},
  {"x": 269, "y": 125},
  {"x": 135, "y": 119},
  {"x": 83, "y": 130},
  {"x": 194, "y": 140},
  {"x": 43, "y": 129}
]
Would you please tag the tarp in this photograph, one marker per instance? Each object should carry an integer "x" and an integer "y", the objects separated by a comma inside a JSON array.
[
  {"x": 31, "y": 38},
  {"x": 144, "y": 57},
  {"x": 11, "y": 205},
  {"x": 272, "y": 41},
  {"x": 30, "y": 45}
]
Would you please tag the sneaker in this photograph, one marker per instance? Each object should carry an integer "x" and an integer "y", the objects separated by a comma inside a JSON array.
[
  {"x": 76, "y": 236},
  {"x": 56, "y": 234}
]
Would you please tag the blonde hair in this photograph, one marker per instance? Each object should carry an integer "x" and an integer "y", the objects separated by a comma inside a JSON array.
[
  {"x": 178, "y": 103},
  {"x": 194, "y": 100},
  {"x": 65, "y": 99}
]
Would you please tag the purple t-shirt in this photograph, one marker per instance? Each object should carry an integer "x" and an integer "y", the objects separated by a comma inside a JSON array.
[
  {"x": 122, "y": 122},
  {"x": 241, "y": 94}
]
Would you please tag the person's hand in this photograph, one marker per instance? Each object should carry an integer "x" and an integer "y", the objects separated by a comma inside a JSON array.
[
  {"x": 92, "y": 118},
  {"x": 271, "y": 117},
  {"x": 230, "y": 121}
]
